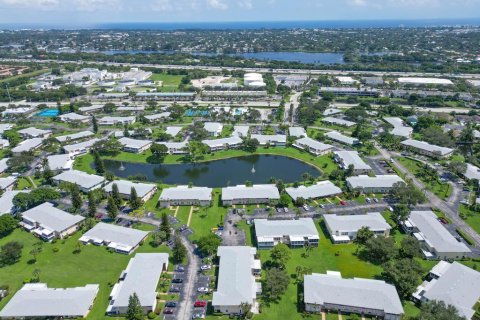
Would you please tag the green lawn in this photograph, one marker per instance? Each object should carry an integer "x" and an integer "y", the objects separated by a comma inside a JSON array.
[
  {"x": 471, "y": 217},
  {"x": 23, "y": 184},
  {"x": 169, "y": 82},
  {"x": 82, "y": 163},
  {"x": 204, "y": 219},
  {"x": 63, "y": 269}
]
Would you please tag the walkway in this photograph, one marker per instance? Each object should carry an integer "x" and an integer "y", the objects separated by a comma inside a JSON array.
[{"x": 186, "y": 305}]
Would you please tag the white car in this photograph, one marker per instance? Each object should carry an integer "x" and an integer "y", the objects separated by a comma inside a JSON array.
[
  {"x": 202, "y": 290},
  {"x": 206, "y": 267}
]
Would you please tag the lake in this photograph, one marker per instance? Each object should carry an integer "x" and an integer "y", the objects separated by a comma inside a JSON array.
[{"x": 218, "y": 173}]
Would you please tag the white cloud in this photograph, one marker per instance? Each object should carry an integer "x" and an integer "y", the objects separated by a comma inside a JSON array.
[
  {"x": 92, "y": 5},
  {"x": 30, "y": 3},
  {"x": 217, "y": 4},
  {"x": 247, "y": 4}
]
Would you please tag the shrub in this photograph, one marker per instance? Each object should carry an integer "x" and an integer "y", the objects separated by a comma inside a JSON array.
[{"x": 151, "y": 315}]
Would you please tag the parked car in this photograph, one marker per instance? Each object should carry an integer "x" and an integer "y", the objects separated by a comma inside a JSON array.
[
  {"x": 285, "y": 209},
  {"x": 322, "y": 206},
  {"x": 170, "y": 304},
  {"x": 342, "y": 202},
  {"x": 182, "y": 228},
  {"x": 206, "y": 267},
  {"x": 307, "y": 208},
  {"x": 375, "y": 200},
  {"x": 390, "y": 209},
  {"x": 174, "y": 289},
  {"x": 198, "y": 315},
  {"x": 443, "y": 220},
  {"x": 202, "y": 290},
  {"x": 177, "y": 280},
  {"x": 200, "y": 304},
  {"x": 368, "y": 200},
  {"x": 168, "y": 311},
  {"x": 278, "y": 209},
  {"x": 180, "y": 269}
]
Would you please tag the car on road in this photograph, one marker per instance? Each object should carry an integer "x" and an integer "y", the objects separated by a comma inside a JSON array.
[
  {"x": 171, "y": 304},
  {"x": 279, "y": 210},
  {"x": 206, "y": 267},
  {"x": 368, "y": 200},
  {"x": 443, "y": 220},
  {"x": 177, "y": 280},
  {"x": 200, "y": 304},
  {"x": 168, "y": 311},
  {"x": 202, "y": 290},
  {"x": 375, "y": 200}
]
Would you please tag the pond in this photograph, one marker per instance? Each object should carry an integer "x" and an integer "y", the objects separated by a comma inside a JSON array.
[{"x": 218, "y": 173}]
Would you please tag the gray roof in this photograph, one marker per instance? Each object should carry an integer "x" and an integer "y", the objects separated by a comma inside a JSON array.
[
  {"x": 116, "y": 119},
  {"x": 241, "y": 131},
  {"x": 134, "y": 143},
  {"x": 5, "y": 126},
  {"x": 422, "y": 145},
  {"x": 381, "y": 181},
  {"x": 266, "y": 138},
  {"x": 6, "y": 182},
  {"x": 352, "y": 158},
  {"x": 330, "y": 111},
  {"x": 49, "y": 217},
  {"x": 3, "y": 164},
  {"x": 80, "y": 146},
  {"x": 173, "y": 131},
  {"x": 75, "y": 136},
  {"x": 157, "y": 116},
  {"x": 28, "y": 145},
  {"x": 174, "y": 145},
  {"x": 457, "y": 286},
  {"x": 473, "y": 172},
  {"x": 435, "y": 233},
  {"x": 319, "y": 190},
  {"x": 34, "y": 132},
  {"x": 338, "y": 121},
  {"x": 81, "y": 178},
  {"x": 142, "y": 275},
  {"x": 399, "y": 128},
  {"x": 119, "y": 235},
  {"x": 330, "y": 288},
  {"x": 313, "y": 144},
  {"x": 373, "y": 220},
  {"x": 297, "y": 132},
  {"x": 60, "y": 162},
  {"x": 236, "y": 283},
  {"x": 91, "y": 108},
  {"x": 131, "y": 108},
  {"x": 230, "y": 141},
  {"x": 72, "y": 116},
  {"x": 124, "y": 187},
  {"x": 37, "y": 300},
  {"x": 257, "y": 191},
  {"x": 213, "y": 126},
  {"x": 278, "y": 228},
  {"x": 337, "y": 136},
  {"x": 186, "y": 193},
  {"x": 6, "y": 200}
]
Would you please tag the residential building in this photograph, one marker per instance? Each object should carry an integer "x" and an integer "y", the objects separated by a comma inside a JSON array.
[
  {"x": 223, "y": 143},
  {"x": 236, "y": 280},
  {"x": 297, "y": 132},
  {"x": 4, "y": 143},
  {"x": 73, "y": 117},
  {"x": 473, "y": 172},
  {"x": 74, "y": 136},
  {"x": 120, "y": 239},
  {"x": 345, "y": 159},
  {"x": 428, "y": 149},
  {"x": 321, "y": 189},
  {"x": 48, "y": 222},
  {"x": 453, "y": 283},
  {"x": 176, "y": 147},
  {"x": 331, "y": 111},
  {"x": 85, "y": 181},
  {"x": 7, "y": 183},
  {"x": 167, "y": 96},
  {"x": 28, "y": 145},
  {"x": 4, "y": 164},
  {"x": 158, "y": 116},
  {"x": 294, "y": 233},
  {"x": 435, "y": 240},
  {"x": 144, "y": 190},
  {"x": 350, "y": 91},
  {"x": 80, "y": 148},
  {"x": 173, "y": 131},
  {"x": 331, "y": 292},
  {"x": 345, "y": 80},
  {"x": 337, "y": 136},
  {"x": 112, "y": 121},
  {"x": 241, "y": 131},
  {"x": 60, "y": 162},
  {"x": 214, "y": 129},
  {"x": 344, "y": 228},
  {"x": 131, "y": 109},
  {"x": 399, "y": 127},
  {"x": 37, "y": 301},
  {"x": 373, "y": 81},
  {"x": 134, "y": 145},
  {"x": 186, "y": 196},
  {"x": 141, "y": 277},
  {"x": 254, "y": 80},
  {"x": 425, "y": 81},
  {"x": 6, "y": 201},
  {"x": 377, "y": 184},
  {"x": 91, "y": 109},
  {"x": 278, "y": 140},
  {"x": 32, "y": 132},
  {"x": 255, "y": 194},
  {"x": 313, "y": 146},
  {"x": 339, "y": 122},
  {"x": 5, "y": 127}
]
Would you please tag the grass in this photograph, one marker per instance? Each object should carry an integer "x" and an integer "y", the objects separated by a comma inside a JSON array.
[
  {"x": 169, "y": 82},
  {"x": 64, "y": 269},
  {"x": 82, "y": 163},
  {"x": 471, "y": 217},
  {"x": 204, "y": 219},
  {"x": 23, "y": 184}
]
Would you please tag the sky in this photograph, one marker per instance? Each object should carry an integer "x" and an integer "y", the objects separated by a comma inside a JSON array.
[{"x": 91, "y": 12}]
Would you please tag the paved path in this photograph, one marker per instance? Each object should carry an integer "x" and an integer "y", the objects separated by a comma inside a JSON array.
[
  {"x": 186, "y": 305},
  {"x": 139, "y": 219},
  {"x": 294, "y": 101},
  {"x": 192, "y": 208}
]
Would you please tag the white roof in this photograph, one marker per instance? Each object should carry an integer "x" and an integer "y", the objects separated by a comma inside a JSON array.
[
  {"x": 436, "y": 81},
  {"x": 352, "y": 158},
  {"x": 422, "y": 145},
  {"x": 49, "y": 217},
  {"x": 337, "y": 136},
  {"x": 435, "y": 233},
  {"x": 34, "y": 132},
  {"x": 120, "y": 235},
  {"x": 352, "y": 223},
  {"x": 186, "y": 193},
  {"x": 324, "y": 289},
  {"x": 3, "y": 164},
  {"x": 109, "y": 119},
  {"x": 313, "y": 144},
  {"x": 75, "y": 136},
  {"x": 331, "y": 111},
  {"x": 241, "y": 130},
  {"x": 399, "y": 128},
  {"x": 297, "y": 132},
  {"x": 37, "y": 300},
  {"x": 230, "y": 141},
  {"x": 124, "y": 187},
  {"x": 91, "y": 108},
  {"x": 236, "y": 283},
  {"x": 80, "y": 146},
  {"x": 134, "y": 143},
  {"x": 319, "y": 190},
  {"x": 81, "y": 178},
  {"x": 213, "y": 127},
  {"x": 473, "y": 172},
  {"x": 131, "y": 108},
  {"x": 28, "y": 145},
  {"x": 60, "y": 162},
  {"x": 6, "y": 182},
  {"x": 6, "y": 200},
  {"x": 257, "y": 191},
  {"x": 142, "y": 275},
  {"x": 473, "y": 82},
  {"x": 338, "y": 121},
  {"x": 173, "y": 131},
  {"x": 346, "y": 79},
  {"x": 382, "y": 181},
  {"x": 5, "y": 126},
  {"x": 157, "y": 116},
  {"x": 267, "y": 138},
  {"x": 303, "y": 227},
  {"x": 72, "y": 116}
]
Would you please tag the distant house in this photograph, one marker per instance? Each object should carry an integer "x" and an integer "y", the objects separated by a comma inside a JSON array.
[
  {"x": 399, "y": 127},
  {"x": 344, "y": 228},
  {"x": 313, "y": 146},
  {"x": 258, "y": 193},
  {"x": 241, "y": 131},
  {"x": 337, "y": 136},
  {"x": 120, "y": 239},
  {"x": 214, "y": 129},
  {"x": 294, "y": 233},
  {"x": 48, "y": 222},
  {"x": 37, "y": 301},
  {"x": 85, "y": 181},
  {"x": 28, "y": 145},
  {"x": 435, "y": 240},
  {"x": 186, "y": 196},
  {"x": 6, "y": 201},
  {"x": 74, "y": 118},
  {"x": 141, "y": 277},
  {"x": 339, "y": 122},
  {"x": 377, "y": 184},
  {"x": 4, "y": 143},
  {"x": 330, "y": 292},
  {"x": 453, "y": 283},
  {"x": 320, "y": 190},
  {"x": 4, "y": 165},
  {"x": 175, "y": 147},
  {"x": 473, "y": 172},
  {"x": 173, "y": 131},
  {"x": 60, "y": 162},
  {"x": 80, "y": 148},
  {"x": 297, "y": 132},
  {"x": 32, "y": 132},
  {"x": 134, "y": 145},
  {"x": 144, "y": 190},
  {"x": 91, "y": 109},
  {"x": 278, "y": 140},
  {"x": 345, "y": 159},
  {"x": 74, "y": 136},
  {"x": 224, "y": 143},
  {"x": 7, "y": 183},
  {"x": 112, "y": 121},
  {"x": 236, "y": 280},
  {"x": 428, "y": 149},
  {"x": 158, "y": 117}
]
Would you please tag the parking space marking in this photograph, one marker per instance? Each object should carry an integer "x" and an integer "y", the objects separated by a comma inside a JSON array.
[
  {"x": 176, "y": 211},
  {"x": 190, "y": 216}
]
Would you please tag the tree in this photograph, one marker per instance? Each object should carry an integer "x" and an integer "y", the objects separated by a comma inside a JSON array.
[
  {"x": 94, "y": 124},
  {"x": 109, "y": 107},
  {"x": 13, "y": 137},
  {"x": 21, "y": 162},
  {"x": 179, "y": 252},
  {"x": 300, "y": 201},
  {"x": 457, "y": 167},
  {"x": 245, "y": 310},
  {"x": 109, "y": 146},
  {"x": 134, "y": 309},
  {"x": 158, "y": 237},
  {"x": 24, "y": 201},
  {"x": 92, "y": 204},
  {"x": 36, "y": 249},
  {"x": 208, "y": 245},
  {"x": 76, "y": 197},
  {"x": 379, "y": 250},
  {"x": 410, "y": 248},
  {"x": 401, "y": 212},
  {"x": 284, "y": 200},
  {"x": 438, "y": 310},
  {"x": 159, "y": 151},
  {"x": 112, "y": 208},
  {"x": 135, "y": 201},
  {"x": 250, "y": 145},
  {"x": 276, "y": 283},
  {"x": 48, "y": 174},
  {"x": 406, "y": 194},
  {"x": 165, "y": 226},
  {"x": 98, "y": 163},
  {"x": 196, "y": 150},
  {"x": 7, "y": 225},
  {"x": 363, "y": 235},
  {"x": 10, "y": 253},
  {"x": 405, "y": 274},
  {"x": 116, "y": 195},
  {"x": 280, "y": 255}
]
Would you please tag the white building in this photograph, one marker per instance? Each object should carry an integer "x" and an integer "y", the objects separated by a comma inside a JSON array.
[
  {"x": 32, "y": 132},
  {"x": 223, "y": 143},
  {"x": 241, "y": 131},
  {"x": 173, "y": 131},
  {"x": 399, "y": 127},
  {"x": 346, "y": 81},
  {"x": 270, "y": 139},
  {"x": 74, "y": 136},
  {"x": 6, "y": 201},
  {"x": 111, "y": 121},
  {"x": 85, "y": 181},
  {"x": 313, "y": 146},
  {"x": 134, "y": 145},
  {"x": 453, "y": 283},
  {"x": 428, "y": 149},
  {"x": 28, "y": 145},
  {"x": 337, "y": 136},
  {"x": 377, "y": 184},
  {"x": 4, "y": 143},
  {"x": 73, "y": 117},
  {"x": 257, "y": 193},
  {"x": 339, "y": 122},
  {"x": 60, "y": 162},
  {"x": 236, "y": 280},
  {"x": 473, "y": 172},
  {"x": 351, "y": 158},
  {"x": 214, "y": 129},
  {"x": 321, "y": 189},
  {"x": 158, "y": 116},
  {"x": 186, "y": 196},
  {"x": 295, "y": 233},
  {"x": 80, "y": 148},
  {"x": 144, "y": 190},
  {"x": 176, "y": 147},
  {"x": 297, "y": 132},
  {"x": 4, "y": 165},
  {"x": 7, "y": 183},
  {"x": 331, "y": 292},
  {"x": 425, "y": 81},
  {"x": 254, "y": 80},
  {"x": 344, "y": 228}
]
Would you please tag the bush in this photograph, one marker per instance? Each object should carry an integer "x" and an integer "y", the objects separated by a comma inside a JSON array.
[
  {"x": 55, "y": 250},
  {"x": 151, "y": 315}
]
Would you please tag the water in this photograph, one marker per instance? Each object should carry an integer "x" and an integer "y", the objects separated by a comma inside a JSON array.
[
  {"x": 48, "y": 113},
  {"x": 219, "y": 173}
]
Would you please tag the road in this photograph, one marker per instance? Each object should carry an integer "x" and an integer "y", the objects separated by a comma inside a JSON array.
[
  {"x": 294, "y": 101},
  {"x": 186, "y": 305},
  {"x": 446, "y": 208}
]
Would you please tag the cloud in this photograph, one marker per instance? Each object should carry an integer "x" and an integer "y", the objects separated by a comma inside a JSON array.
[
  {"x": 247, "y": 4},
  {"x": 92, "y": 5},
  {"x": 217, "y": 4},
  {"x": 31, "y": 3}
]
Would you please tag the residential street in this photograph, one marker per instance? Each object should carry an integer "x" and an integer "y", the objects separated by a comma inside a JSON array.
[{"x": 185, "y": 307}]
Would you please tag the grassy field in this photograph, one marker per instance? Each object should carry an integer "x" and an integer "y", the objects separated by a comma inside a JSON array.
[
  {"x": 471, "y": 217},
  {"x": 169, "y": 82},
  {"x": 65, "y": 268}
]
